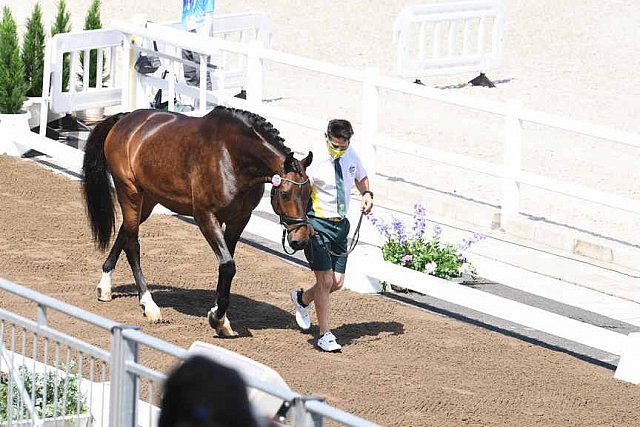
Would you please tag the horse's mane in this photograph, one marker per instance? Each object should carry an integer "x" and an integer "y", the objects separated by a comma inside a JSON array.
[{"x": 257, "y": 123}]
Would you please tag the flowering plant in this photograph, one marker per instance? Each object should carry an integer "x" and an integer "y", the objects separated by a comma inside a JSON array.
[{"x": 427, "y": 254}]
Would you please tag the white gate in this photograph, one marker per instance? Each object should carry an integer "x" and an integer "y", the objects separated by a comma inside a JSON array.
[
  {"x": 113, "y": 83},
  {"x": 448, "y": 38}
]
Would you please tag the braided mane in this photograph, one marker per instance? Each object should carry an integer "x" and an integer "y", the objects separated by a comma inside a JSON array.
[{"x": 259, "y": 124}]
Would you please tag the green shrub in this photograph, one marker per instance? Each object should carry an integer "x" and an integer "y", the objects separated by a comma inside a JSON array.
[
  {"x": 92, "y": 22},
  {"x": 62, "y": 24},
  {"x": 33, "y": 52},
  {"x": 53, "y": 395},
  {"x": 13, "y": 87}
]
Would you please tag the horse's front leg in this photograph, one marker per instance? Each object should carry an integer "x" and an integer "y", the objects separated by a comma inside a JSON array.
[{"x": 210, "y": 228}]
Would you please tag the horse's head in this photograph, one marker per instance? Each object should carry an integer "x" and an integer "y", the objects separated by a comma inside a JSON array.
[{"x": 290, "y": 195}]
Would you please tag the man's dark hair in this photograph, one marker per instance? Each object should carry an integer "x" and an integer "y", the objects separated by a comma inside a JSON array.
[
  {"x": 339, "y": 128},
  {"x": 203, "y": 393}
]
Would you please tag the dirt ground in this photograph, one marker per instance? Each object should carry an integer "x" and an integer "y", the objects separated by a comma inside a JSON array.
[{"x": 399, "y": 365}]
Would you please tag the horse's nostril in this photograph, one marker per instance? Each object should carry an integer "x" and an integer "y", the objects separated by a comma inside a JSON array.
[{"x": 298, "y": 244}]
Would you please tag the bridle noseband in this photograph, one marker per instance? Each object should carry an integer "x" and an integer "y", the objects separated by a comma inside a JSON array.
[{"x": 289, "y": 223}]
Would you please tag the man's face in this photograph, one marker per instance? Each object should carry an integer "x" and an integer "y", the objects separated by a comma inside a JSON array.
[
  {"x": 338, "y": 143},
  {"x": 336, "y": 146}
]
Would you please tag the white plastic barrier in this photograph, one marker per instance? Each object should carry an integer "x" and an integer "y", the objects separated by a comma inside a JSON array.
[
  {"x": 447, "y": 38},
  {"x": 78, "y": 95},
  {"x": 240, "y": 27}
]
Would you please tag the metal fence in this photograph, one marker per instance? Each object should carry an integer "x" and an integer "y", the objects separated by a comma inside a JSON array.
[{"x": 49, "y": 377}]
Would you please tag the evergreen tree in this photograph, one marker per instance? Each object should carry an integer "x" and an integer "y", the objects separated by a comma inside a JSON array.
[
  {"x": 12, "y": 83},
  {"x": 33, "y": 52},
  {"x": 62, "y": 24},
  {"x": 92, "y": 22}
]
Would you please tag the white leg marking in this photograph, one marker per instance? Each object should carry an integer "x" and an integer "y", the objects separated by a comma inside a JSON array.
[
  {"x": 103, "y": 290},
  {"x": 151, "y": 310}
]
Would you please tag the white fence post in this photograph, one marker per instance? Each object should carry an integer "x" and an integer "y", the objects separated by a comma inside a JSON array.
[
  {"x": 370, "y": 105},
  {"x": 129, "y": 76},
  {"x": 510, "y": 198},
  {"x": 254, "y": 75},
  {"x": 124, "y": 386}
]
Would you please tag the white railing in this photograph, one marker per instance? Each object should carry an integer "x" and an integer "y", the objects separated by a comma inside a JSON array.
[
  {"x": 514, "y": 115},
  {"x": 509, "y": 171},
  {"x": 446, "y": 38}
]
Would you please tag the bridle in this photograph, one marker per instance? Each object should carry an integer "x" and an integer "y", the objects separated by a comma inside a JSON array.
[{"x": 289, "y": 223}]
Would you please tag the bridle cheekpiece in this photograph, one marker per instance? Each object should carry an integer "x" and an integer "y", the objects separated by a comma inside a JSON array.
[{"x": 289, "y": 224}]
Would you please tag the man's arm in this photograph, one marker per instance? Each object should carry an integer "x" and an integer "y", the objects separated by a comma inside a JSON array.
[{"x": 367, "y": 195}]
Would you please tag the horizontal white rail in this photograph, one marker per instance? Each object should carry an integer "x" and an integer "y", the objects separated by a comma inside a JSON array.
[{"x": 502, "y": 308}]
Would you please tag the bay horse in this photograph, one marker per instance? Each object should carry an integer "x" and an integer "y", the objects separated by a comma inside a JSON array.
[{"x": 212, "y": 168}]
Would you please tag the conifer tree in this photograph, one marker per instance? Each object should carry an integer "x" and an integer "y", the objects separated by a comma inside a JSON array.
[
  {"x": 12, "y": 84},
  {"x": 33, "y": 52},
  {"x": 62, "y": 24},
  {"x": 92, "y": 22}
]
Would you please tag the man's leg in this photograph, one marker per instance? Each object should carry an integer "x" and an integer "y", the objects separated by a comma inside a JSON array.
[
  {"x": 191, "y": 73},
  {"x": 319, "y": 294}
]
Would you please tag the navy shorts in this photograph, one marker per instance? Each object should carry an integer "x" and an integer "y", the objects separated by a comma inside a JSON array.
[{"x": 331, "y": 235}]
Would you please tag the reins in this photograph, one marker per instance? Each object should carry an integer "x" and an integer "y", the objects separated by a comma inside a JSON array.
[{"x": 354, "y": 240}]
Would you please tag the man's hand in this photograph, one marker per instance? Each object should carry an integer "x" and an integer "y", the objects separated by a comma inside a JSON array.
[{"x": 367, "y": 203}]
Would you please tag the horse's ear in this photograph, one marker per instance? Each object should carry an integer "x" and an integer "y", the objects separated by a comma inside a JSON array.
[
  {"x": 307, "y": 160},
  {"x": 288, "y": 162}
]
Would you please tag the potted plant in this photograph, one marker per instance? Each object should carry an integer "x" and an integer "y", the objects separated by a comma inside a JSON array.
[
  {"x": 13, "y": 88},
  {"x": 418, "y": 249},
  {"x": 92, "y": 22},
  {"x": 33, "y": 59}
]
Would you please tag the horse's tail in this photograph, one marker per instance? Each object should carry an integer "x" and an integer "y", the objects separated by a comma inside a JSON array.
[{"x": 96, "y": 186}]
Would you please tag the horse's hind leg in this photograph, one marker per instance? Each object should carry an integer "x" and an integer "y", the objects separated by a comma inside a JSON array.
[
  {"x": 103, "y": 290},
  {"x": 132, "y": 204}
]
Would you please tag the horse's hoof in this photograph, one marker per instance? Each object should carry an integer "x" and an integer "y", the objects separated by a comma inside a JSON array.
[
  {"x": 103, "y": 295},
  {"x": 153, "y": 317},
  {"x": 222, "y": 327}
]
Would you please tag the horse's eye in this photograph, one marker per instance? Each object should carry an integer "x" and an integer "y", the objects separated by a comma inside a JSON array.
[{"x": 285, "y": 195}]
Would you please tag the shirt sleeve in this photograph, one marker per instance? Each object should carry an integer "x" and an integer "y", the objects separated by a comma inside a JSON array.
[{"x": 361, "y": 172}]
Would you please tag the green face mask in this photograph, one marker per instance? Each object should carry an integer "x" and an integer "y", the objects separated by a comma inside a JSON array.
[{"x": 335, "y": 153}]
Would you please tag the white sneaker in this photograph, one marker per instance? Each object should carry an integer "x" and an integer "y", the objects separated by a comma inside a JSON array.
[
  {"x": 302, "y": 313},
  {"x": 327, "y": 342}
]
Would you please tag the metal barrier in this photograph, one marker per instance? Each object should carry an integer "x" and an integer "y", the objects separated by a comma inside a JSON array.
[
  {"x": 446, "y": 38},
  {"x": 113, "y": 387}
]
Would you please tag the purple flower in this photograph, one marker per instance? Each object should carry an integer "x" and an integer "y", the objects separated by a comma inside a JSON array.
[
  {"x": 407, "y": 259},
  {"x": 437, "y": 231},
  {"x": 399, "y": 231},
  {"x": 466, "y": 243},
  {"x": 419, "y": 220},
  {"x": 380, "y": 225}
]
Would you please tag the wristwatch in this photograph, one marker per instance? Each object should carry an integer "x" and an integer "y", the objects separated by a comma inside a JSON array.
[{"x": 368, "y": 192}]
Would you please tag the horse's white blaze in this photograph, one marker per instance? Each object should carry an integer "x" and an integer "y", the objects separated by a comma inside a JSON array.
[
  {"x": 103, "y": 290},
  {"x": 151, "y": 310}
]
